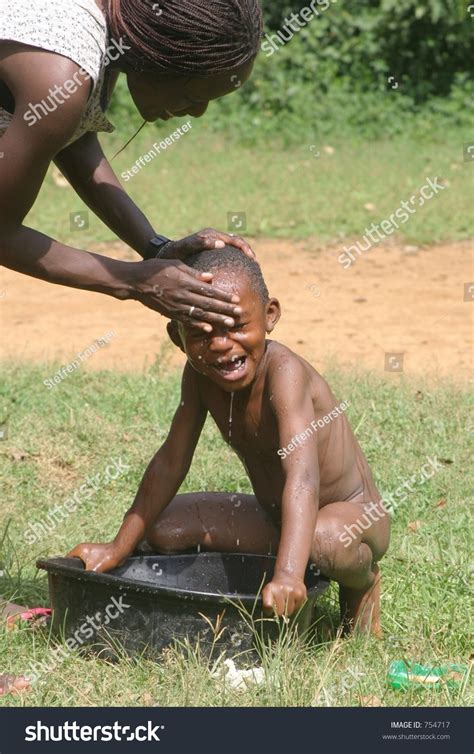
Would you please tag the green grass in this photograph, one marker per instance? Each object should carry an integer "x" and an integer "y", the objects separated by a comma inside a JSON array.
[
  {"x": 284, "y": 191},
  {"x": 58, "y": 437}
]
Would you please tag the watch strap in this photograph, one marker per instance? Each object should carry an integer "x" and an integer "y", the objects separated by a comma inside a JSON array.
[{"x": 156, "y": 246}]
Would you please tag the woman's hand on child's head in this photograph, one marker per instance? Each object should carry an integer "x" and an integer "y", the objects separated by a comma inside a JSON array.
[
  {"x": 206, "y": 239},
  {"x": 97, "y": 557},
  {"x": 182, "y": 293},
  {"x": 284, "y": 594}
]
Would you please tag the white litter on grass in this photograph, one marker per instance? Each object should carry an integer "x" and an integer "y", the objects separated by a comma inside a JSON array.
[{"x": 240, "y": 680}]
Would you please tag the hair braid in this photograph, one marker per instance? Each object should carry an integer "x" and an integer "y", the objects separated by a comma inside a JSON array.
[{"x": 187, "y": 37}]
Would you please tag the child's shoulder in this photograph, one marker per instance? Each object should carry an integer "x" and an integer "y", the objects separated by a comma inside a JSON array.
[
  {"x": 280, "y": 355},
  {"x": 284, "y": 364},
  {"x": 290, "y": 376}
]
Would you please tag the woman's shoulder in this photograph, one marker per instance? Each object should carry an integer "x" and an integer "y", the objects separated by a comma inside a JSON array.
[{"x": 76, "y": 29}]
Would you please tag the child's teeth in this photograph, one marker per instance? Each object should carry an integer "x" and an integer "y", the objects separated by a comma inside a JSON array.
[{"x": 230, "y": 365}]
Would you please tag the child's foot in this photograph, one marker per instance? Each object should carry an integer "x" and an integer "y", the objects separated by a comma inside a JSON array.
[
  {"x": 360, "y": 608},
  {"x": 11, "y": 684}
]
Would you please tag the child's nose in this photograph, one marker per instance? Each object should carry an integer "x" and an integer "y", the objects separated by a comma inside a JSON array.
[{"x": 220, "y": 343}]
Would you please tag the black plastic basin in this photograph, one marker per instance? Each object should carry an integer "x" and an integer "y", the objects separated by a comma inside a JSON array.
[{"x": 152, "y": 600}]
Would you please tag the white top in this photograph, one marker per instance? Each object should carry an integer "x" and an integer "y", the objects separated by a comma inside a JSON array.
[{"x": 76, "y": 29}]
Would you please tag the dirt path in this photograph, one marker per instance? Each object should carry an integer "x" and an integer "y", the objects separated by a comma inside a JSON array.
[{"x": 393, "y": 300}]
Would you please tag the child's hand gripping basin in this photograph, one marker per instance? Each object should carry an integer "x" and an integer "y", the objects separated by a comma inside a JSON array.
[{"x": 152, "y": 600}]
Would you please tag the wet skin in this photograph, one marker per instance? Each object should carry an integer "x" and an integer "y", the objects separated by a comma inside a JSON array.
[{"x": 301, "y": 502}]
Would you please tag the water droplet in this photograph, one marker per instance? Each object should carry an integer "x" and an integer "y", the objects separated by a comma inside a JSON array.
[
  {"x": 238, "y": 543},
  {"x": 199, "y": 548},
  {"x": 230, "y": 415}
]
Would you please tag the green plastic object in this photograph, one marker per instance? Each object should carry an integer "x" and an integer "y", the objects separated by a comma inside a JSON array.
[{"x": 403, "y": 675}]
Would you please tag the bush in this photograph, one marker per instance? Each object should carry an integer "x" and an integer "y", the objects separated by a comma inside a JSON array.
[
  {"x": 424, "y": 45},
  {"x": 333, "y": 76}
]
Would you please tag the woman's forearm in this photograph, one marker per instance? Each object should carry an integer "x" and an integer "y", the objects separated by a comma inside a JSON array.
[
  {"x": 111, "y": 204},
  {"x": 92, "y": 177},
  {"x": 30, "y": 252}
]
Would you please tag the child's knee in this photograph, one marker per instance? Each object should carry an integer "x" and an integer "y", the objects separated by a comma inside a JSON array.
[
  {"x": 364, "y": 527},
  {"x": 336, "y": 555},
  {"x": 328, "y": 551}
]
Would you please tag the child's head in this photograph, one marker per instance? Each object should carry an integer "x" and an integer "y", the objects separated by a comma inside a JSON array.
[{"x": 230, "y": 357}]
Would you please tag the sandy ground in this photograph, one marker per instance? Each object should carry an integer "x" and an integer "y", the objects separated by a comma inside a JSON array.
[{"x": 394, "y": 300}]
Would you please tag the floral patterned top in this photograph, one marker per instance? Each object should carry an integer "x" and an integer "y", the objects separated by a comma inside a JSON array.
[{"x": 76, "y": 29}]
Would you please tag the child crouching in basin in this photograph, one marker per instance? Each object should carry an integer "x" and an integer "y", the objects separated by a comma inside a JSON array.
[{"x": 313, "y": 489}]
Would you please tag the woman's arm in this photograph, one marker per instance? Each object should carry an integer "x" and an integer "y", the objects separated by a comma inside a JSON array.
[
  {"x": 168, "y": 287},
  {"x": 86, "y": 167}
]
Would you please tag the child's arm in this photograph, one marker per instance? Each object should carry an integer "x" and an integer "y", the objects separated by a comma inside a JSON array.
[
  {"x": 293, "y": 407},
  {"x": 161, "y": 481}
]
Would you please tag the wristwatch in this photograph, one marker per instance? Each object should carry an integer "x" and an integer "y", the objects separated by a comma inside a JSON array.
[{"x": 157, "y": 247}]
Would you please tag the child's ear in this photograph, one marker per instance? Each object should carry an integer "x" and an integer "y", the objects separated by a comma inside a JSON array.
[
  {"x": 173, "y": 332},
  {"x": 273, "y": 313}
]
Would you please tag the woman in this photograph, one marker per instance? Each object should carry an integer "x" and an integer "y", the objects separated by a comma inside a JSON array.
[
  {"x": 59, "y": 63},
  {"x": 177, "y": 56}
]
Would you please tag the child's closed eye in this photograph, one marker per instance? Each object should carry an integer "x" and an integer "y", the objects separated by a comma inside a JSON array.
[{"x": 198, "y": 335}]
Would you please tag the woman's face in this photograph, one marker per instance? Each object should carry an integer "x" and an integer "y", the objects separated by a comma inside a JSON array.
[{"x": 157, "y": 97}]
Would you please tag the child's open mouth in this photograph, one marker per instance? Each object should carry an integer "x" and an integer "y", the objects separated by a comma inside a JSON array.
[{"x": 232, "y": 368}]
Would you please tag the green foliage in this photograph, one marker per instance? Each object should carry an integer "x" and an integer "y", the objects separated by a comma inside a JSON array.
[
  {"x": 423, "y": 45},
  {"x": 286, "y": 191},
  {"x": 332, "y": 76}
]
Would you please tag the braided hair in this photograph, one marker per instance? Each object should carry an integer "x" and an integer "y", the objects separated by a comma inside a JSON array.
[{"x": 198, "y": 38}]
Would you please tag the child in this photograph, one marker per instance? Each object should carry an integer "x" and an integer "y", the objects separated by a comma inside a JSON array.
[{"x": 311, "y": 481}]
